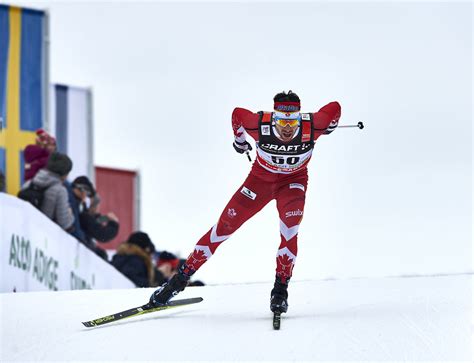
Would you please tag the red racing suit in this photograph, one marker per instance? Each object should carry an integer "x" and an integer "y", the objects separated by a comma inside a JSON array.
[{"x": 279, "y": 172}]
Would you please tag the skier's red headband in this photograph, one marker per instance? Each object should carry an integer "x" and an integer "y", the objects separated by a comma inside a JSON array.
[{"x": 286, "y": 106}]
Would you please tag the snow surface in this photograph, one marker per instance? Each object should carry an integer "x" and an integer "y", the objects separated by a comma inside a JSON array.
[{"x": 404, "y": 319}]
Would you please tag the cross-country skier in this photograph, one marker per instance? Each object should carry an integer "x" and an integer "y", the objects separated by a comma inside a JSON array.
[{"x": 285, "y": 139}]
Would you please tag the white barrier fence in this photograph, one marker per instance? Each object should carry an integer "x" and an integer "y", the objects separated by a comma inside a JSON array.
[{"x": 36, "y": 254}]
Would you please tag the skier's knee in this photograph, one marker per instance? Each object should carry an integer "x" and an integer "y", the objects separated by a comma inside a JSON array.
[{"x": 226, "y": 226}]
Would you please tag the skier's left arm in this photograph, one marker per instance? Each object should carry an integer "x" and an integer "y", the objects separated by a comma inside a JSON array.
[{"x": 326, "y": 119}]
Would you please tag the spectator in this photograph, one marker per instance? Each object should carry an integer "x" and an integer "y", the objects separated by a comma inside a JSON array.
[
  {"x": 55, "y": 204},
  {"x": 133, "y": 259},
  {"x": 76, "y": 199},
  {"x": 87, "y": 226},
  {"x": 166, "y": 267},
  {"x": 103, "y": 228},
  {"x": 36, "y": 155}
]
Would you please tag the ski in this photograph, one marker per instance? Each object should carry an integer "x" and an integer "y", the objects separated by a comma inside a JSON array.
[
  {"x": 140, "y": 310},
  {"x": 276, "y": 320}
]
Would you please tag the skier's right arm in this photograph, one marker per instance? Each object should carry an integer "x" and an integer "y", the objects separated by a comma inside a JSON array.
[{"x": 244, "y": 122}]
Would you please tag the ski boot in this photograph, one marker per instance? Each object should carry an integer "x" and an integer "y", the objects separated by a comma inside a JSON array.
[
  {"x": 170, "y": 289},
  {"x": 279, "y": 297}
]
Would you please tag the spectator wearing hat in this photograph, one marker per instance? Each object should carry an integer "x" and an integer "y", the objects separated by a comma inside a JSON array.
[
  {"x": 166, "y": 267},
  {"x": 133, "y": 259},
  {"x": 36, "y": 155},
  {"x": 55, "y": 204}
]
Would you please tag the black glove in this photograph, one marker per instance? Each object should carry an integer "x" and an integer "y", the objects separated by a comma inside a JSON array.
[{"x": 241, "y": 147}]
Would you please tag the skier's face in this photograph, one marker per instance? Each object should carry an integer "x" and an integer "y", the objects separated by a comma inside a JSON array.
[{"x": 287, "y": 127}]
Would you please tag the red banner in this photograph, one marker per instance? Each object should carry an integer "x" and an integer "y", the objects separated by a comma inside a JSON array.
[{"x": 118, "y": 192}]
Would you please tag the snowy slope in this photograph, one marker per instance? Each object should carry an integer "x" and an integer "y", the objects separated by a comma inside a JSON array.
[{"x": 406, "y": 319}]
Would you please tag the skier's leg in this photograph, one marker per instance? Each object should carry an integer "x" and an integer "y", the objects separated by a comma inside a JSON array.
[
  {"x": 290, "y": 203},
  {"x": 250, "y": 198}
]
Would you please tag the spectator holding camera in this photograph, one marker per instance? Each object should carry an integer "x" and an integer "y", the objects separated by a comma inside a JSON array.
[
  {"x": 89, "y": 224},
  {"x": 101, "y": 227}
]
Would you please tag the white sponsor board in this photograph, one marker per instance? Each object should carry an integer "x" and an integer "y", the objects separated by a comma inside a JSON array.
[{"x": 36, "y": 254}]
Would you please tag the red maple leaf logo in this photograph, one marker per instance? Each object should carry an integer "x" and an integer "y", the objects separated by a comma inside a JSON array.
[
  {"x": 196, "y": 259},
  {"x": 285, "y": 265}
]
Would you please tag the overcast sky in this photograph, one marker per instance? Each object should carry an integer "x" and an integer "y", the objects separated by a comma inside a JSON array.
[{"x": 393, "y": 198}]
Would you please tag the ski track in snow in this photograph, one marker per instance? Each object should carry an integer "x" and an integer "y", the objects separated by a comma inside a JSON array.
[{"x": 385, "y": 319}]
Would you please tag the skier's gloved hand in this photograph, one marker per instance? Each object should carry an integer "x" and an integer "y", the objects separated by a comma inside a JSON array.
[{"x": 241, "y": 147}]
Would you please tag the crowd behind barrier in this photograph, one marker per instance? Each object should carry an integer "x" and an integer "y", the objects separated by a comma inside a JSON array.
[
  {"x": 74, "y": 207},
  {"x": 36, "y": 254}
]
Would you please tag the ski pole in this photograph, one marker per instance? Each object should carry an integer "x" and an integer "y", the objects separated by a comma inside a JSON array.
[
  {"x": 360, "y": 125},
  {"x": 248, "y": 155}
]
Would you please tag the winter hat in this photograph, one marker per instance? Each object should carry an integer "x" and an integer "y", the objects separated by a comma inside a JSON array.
[
  {"x": 142, "y": 240},
  {"x": 168, "y": 257},
  {"x": 59, "y": 163},
  {"x": 286, "y": 102},
  {"x": 44, "y": 139},
  {"x": 83, "y": 182}
]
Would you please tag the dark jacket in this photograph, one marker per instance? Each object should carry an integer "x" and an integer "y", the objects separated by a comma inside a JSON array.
[
  {"x": 134, "y": 263},
  {"x": 76, "y": 210},
  {"x": 92, "y": 227}
]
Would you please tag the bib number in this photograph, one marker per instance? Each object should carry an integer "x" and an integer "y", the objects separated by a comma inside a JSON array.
[{"x": 290, "y": 160}]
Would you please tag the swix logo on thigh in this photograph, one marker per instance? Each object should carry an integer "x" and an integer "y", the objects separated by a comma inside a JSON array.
[
  {"x": 297, "y": 186},
  {"x": 248, "y": 193},
  {"x": 294, "y": 213}
]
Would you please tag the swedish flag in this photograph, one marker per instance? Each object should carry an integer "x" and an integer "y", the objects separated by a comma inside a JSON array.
[{"x": 22, "y": 91}]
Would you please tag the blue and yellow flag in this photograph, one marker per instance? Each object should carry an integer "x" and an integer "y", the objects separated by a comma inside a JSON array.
[{"x": 22, "y": 79}]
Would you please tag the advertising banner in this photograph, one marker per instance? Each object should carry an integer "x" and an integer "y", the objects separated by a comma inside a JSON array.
[{"x": 36, "y": 254}]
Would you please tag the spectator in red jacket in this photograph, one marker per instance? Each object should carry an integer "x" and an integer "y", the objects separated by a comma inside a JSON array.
[{"x": 36, "y": 155}]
